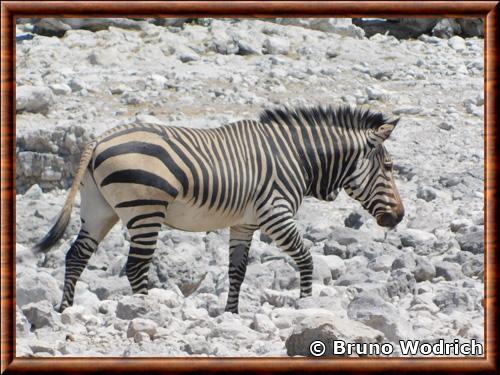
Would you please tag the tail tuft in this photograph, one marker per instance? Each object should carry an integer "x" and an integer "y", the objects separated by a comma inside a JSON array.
[{"x": 55, "y": 233}]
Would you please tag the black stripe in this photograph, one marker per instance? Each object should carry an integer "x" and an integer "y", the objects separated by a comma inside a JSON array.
[
  {"x": 144, "y": 148},
  {"x": 190, "y": 165},
  {"x": 141, "y": 202},
  {"x": 142, "y": 217},
  {"x": 138, "y": 176}
]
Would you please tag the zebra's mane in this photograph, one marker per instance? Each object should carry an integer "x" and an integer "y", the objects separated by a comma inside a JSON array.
[{"x": 339, "y": 116}]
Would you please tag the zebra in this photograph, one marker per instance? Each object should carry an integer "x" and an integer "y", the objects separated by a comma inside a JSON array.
[{"x": 247, "y": 175}]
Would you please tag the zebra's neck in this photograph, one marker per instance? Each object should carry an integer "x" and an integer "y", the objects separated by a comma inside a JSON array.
[{"x": 317, "y": 157}]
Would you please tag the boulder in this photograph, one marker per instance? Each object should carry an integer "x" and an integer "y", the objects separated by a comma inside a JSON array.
[
  {"x": 332, "y": 247},
  {"x": 321, "y": 271},
  {"x": 105, "y": 288},
  {"x": 382, "y": 263},
  {"x": 473, "y": 241},
  {"x": 40, "y": 314},
  {"x": 424, "y": 270},
  {"x": 279, "y": 298},
  {"x": 327, "y": 328},
  {"x": 376, "y": 93},
  {"x": 33, "y": 286},
  {"x": 79, "y": 314},
  {"x": 471, "y": 27},
  {"x": 354, "y": 220},
  {"x": 402, "y": 28},
  {"x": 446, "y": 28},
  {"x": 400, "y": 283},
  {"x": 60, "y": 89},
  {"x": 187, "y": 55},
  {"x": 405, "y": 260},
  {"x": 450, "y": 271},
  {"x": 36, "y": 99},
  {"x": 23, "y": 326},
  {"x": 276, "y": 46},
  {"x": 457, "y": 43},
  {"x": 263, "y": 324},
  {"x": 474, "y": 267},
  {"x": 336, "y": 265},
  {"x": 50, "y": 27},
  {"x": 453, "y": 298},
  {"x": 131, "y": 307},
  {"x": 426, "y": 193},
  {"x": 140, "y": 325},
  {"x": 372, "y": 310},
  {"x": 416, "y": 238},
  {"x": 58, "y": 27}
]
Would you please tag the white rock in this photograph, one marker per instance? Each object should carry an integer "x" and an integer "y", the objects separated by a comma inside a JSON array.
[
  {"x": 335, "y": 264},
  {"x": 382, "y": 263},
  {"x": 40, "y": 314},
  {"x": 78, "y": 314},
  {"x": 130, "y": 307},
  {"x": 424, "y": 270},
  {"x": 426, "y": 193},
  {"x": 373, "y": 311},
  {"x": 105, "y": 57},
  {"x": 167, "y": 297},
  {"x": 415, "y": 238},
  {"x": 276, "y": 46},
  {"x": 140, "y": 325},
  {"x": 321, "y": 271},
  {"x": 60, "y": 89},
  {"x": 35, "y": 99},
  {"x": 376, "y": 93},
  {"x": 35, "y": 286},
  {"x": 457, "y": 43},
  {"x": 279, "y": 298},
  {"x": 262, "y": 323},
  {"x": 23, "y": 326},
  {"x": 450, "y": 271},
  {"x": 187, "y": 55}
]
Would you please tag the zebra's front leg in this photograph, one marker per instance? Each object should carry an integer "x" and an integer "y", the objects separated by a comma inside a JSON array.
[
  {"x": 283, "y": 231},
  {"x": 240, "y": 238}
]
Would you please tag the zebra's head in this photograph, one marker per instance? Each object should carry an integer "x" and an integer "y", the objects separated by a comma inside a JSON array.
[{"x": 372, "y": 181}]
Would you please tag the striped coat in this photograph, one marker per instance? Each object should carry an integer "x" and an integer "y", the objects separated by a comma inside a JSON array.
[{"x": 247, "y": 175}]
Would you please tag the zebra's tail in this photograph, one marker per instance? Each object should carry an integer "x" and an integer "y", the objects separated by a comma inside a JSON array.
[{"x": 57, "y": 230}]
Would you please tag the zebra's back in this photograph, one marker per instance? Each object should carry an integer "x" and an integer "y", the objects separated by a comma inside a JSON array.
[{"x": 203, "y": 179}]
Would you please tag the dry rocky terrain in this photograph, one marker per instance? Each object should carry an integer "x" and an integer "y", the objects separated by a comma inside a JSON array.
[{"x": 423, "y": 280}]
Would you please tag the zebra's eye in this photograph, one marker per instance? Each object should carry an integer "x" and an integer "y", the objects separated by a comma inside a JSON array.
[{"x": 388, "y": 164}]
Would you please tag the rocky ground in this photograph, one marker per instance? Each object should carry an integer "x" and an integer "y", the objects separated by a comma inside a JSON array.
[{"x": 423, "y": 280}]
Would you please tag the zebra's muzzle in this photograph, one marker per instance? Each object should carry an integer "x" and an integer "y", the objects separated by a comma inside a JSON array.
[{"x": 390, "y": 219}]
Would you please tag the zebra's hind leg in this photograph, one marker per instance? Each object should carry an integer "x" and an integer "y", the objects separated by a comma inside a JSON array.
[
  {"x": 97, "y": 219},
  {"x": 240, "y": 238},
  {"x": 283, "y": 230},
  {"x": 143, "y": 231}
]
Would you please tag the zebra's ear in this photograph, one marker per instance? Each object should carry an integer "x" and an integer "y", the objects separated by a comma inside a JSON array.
[{"x": 383, "y": 132}]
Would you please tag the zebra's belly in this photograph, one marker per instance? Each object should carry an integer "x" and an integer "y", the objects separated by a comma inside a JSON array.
[{"x": 183, "y": 216}]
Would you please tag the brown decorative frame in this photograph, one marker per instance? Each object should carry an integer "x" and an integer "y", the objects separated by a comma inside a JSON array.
[{"x": 12, "y": 9}]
